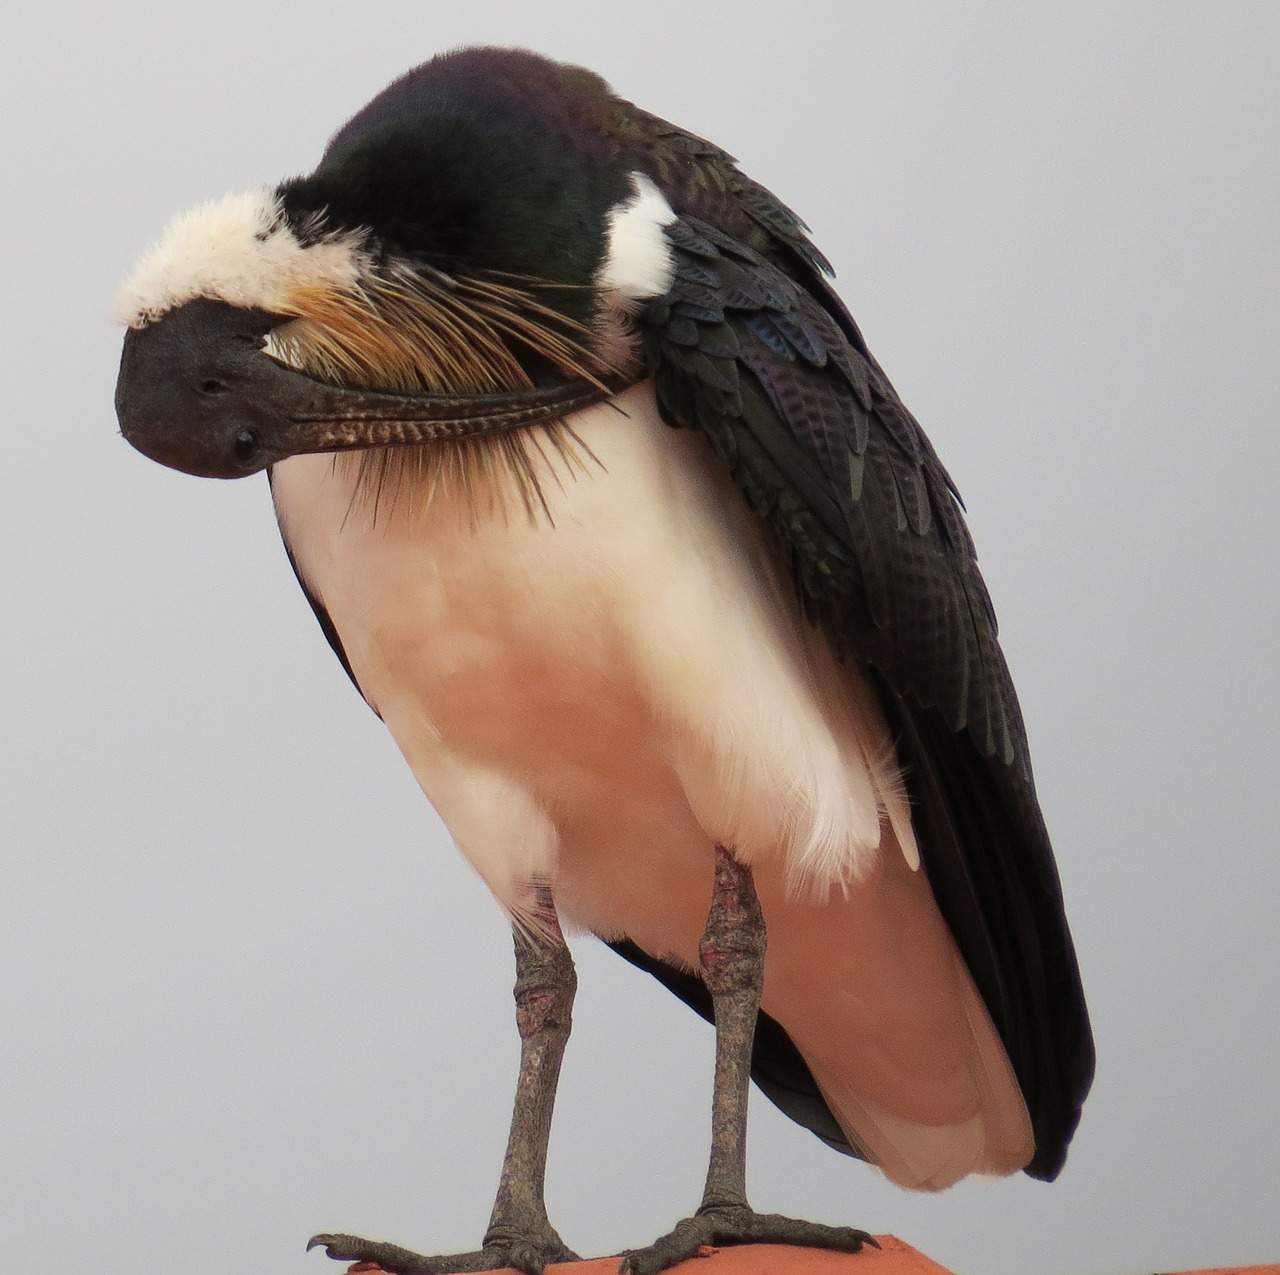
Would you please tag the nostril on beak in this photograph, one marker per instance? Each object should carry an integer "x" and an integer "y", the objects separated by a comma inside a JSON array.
[{"x": 245, "y": 446}]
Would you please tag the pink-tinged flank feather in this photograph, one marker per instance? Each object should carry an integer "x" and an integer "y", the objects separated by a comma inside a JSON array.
[{"x": 600, "y": 693}]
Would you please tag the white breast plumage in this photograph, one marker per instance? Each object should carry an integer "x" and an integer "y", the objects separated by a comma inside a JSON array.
[{"x": 599, "y": 694}]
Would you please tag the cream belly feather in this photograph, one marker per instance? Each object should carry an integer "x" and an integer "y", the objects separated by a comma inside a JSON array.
[{"x": 600, "y": 694}]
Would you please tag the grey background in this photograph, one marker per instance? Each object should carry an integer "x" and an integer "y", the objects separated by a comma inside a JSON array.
[{"x": 249, "y": 991}]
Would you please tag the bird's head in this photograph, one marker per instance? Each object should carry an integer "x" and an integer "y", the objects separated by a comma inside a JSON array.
[{"x": 461, "y": 262}]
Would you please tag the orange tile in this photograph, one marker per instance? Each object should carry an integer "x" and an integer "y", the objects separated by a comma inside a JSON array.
[{"x": 892, "y": 1258}]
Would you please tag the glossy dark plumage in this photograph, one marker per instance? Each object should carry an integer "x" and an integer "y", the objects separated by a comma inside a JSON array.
[{"x": 752, "y": 347}]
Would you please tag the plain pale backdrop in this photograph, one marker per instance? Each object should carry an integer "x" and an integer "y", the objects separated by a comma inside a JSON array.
[{"x": 249, "y": 991}]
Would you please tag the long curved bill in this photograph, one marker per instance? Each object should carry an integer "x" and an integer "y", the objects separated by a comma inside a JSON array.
[{"x": 196, "y": 392}]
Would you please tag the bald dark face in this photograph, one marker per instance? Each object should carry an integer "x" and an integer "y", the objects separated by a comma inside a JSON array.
[
  {"x": 198, "y": 392},
  {"x": 195, "y": 392}
]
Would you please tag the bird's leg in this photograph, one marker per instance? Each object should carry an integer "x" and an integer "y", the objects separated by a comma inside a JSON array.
[
  {"x": 731, "y": 961},
  {"x": 519, "y": 1233},
  {"x": 545, "y": 985}
]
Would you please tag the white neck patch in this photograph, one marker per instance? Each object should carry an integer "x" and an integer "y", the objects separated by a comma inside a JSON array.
[
  {"x": 638, "y": 263},
  {"x": 241, "y": 250}
]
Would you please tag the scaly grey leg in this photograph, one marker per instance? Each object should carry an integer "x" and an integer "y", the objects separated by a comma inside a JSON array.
[
  {"x": 519, "y": 1233},
  {"x": 731, "y": 959}
]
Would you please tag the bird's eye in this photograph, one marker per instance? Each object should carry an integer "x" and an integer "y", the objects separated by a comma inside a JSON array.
[
  {"x": 212, "y": 387},
  {"x": 245, "y": 446}
]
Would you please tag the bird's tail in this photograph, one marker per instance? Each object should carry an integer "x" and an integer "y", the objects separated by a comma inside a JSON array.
[{"x": 873, "y": 993}]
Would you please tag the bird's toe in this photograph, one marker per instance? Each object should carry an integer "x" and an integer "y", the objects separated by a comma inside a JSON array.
[
  {"x": 529, "y": 1254},
  {"x": 738, "y": 1224},
  {"x": 390, "y": 1258}
]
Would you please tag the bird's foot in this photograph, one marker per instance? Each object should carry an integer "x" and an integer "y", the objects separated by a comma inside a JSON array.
[
  {"x": 528, "y": 1253},
  {"x": 721, "y": 1225}
]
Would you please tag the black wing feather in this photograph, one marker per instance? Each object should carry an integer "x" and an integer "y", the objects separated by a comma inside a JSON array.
[{"x": 751, "y": 348}]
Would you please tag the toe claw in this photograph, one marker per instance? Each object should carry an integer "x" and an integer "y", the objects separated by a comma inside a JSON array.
[{"x": 342, "y": 1248}]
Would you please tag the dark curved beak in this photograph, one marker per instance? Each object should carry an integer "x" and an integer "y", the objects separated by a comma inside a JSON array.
[{"x": 196, "y": 392}]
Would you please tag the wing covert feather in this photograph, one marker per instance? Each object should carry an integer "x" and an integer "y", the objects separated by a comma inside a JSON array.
[{"x": 772, "y": 371}]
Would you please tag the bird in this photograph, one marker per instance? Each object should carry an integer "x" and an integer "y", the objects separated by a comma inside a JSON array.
[{"x": 609, "y": 513}]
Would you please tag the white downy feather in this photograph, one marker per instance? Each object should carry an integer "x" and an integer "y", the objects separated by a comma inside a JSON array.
[{"x": 238, "y": 249}]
